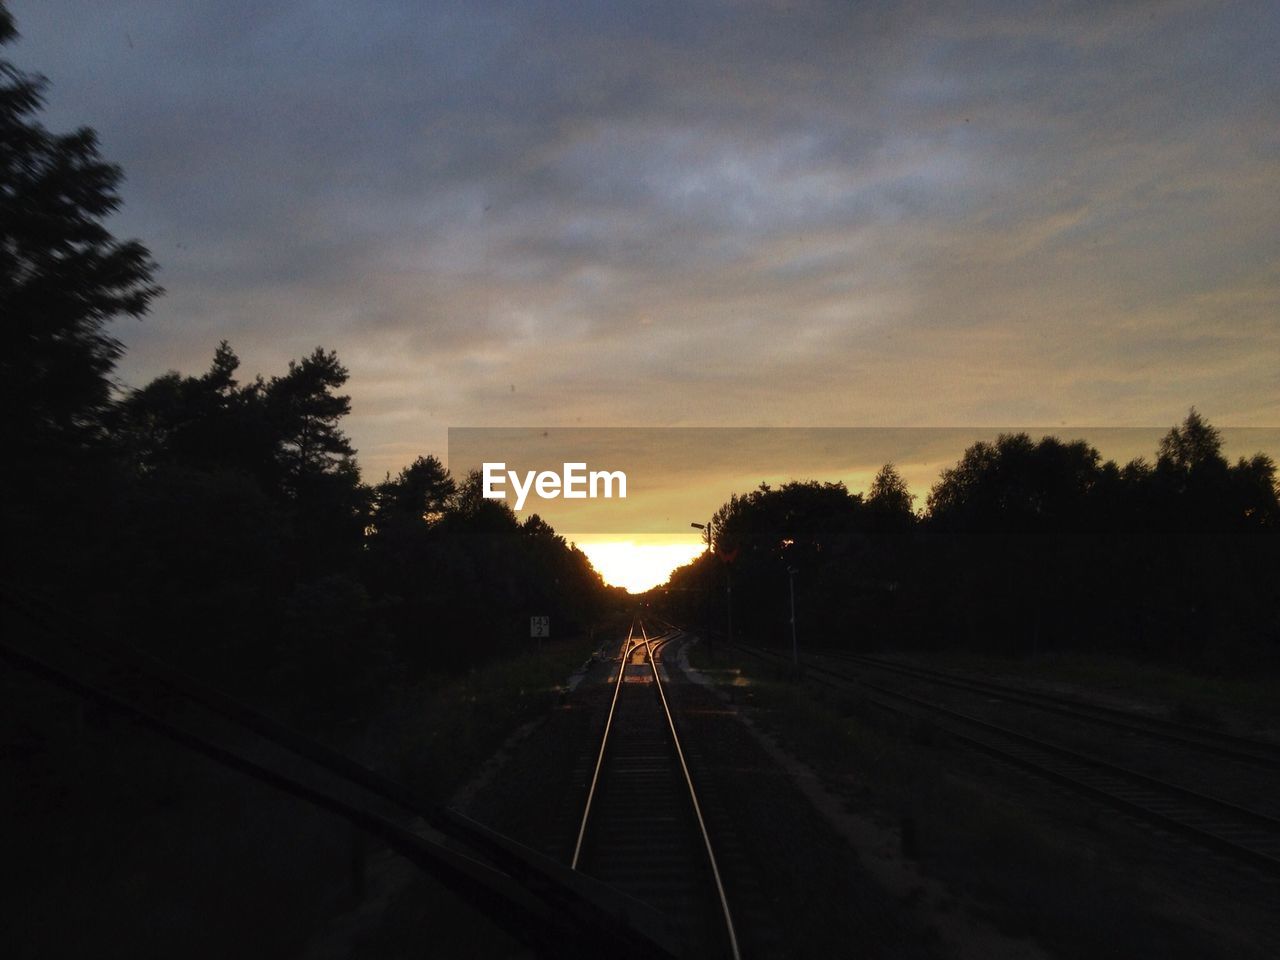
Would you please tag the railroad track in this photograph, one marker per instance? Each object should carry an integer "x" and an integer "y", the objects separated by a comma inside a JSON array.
[
  {"x": 1238, "y": 832},
  {"x": 642, "y": 829},
  {"x": 1215, "y": 742}
]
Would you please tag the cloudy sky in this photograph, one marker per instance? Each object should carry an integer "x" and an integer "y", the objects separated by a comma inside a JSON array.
[{"x": 698, "y": 213}]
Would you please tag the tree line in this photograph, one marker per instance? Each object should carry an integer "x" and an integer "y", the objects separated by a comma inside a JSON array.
[
  {"x": 217, "y": 520},
  {"x": 1022, "y": 546}
]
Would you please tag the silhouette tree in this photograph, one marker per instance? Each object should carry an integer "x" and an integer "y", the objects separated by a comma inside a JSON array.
[
  {"x": 1016, "y": 485},
  {"x": 1192, "y": 446},
  {"x": 1256, "y": 495},
  {"x": 305, "y": 411},
  {"x": 208, "y": 422},
  {"x": 1026, "y": 545},
  {"x": 809, "y": 526},
  {"x": 63, "y": 276},
  {"x": 475, "y": 512},
  {"x": 889, "y": 497},
  {"x": 1192, "y": 486},
  {"x": 420, "y": 493}
]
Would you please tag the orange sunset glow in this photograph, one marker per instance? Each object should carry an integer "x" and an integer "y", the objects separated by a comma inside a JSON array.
[{"x": 639, "y": 562}]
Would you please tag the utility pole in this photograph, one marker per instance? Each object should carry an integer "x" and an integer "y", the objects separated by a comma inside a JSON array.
[
  {"x": 728, "y": 598},
  {"x": 707, "y": 532},
  {"x": 795, "y": 647}
]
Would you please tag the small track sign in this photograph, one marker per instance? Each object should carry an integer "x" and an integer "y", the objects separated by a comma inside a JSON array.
[{"x": 539, "y": 626}]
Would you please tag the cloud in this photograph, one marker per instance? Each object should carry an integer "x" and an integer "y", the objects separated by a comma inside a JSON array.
[{"x": 776, "y": 213}]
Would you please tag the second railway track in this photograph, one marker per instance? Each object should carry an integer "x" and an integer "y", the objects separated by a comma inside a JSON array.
[
  {"x": 1219, "y": 743},
  {"x": 1240, "y": 833}
]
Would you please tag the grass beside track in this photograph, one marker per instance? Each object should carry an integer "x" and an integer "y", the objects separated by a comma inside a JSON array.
[
  {"x": 1051, "y": 877},
  {"x": 434, "y": 734}
]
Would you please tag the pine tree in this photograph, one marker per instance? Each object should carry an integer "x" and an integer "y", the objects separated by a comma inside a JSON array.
[
  {"x": 63, "y": 276},
  {"x": 305, "y": 412}
]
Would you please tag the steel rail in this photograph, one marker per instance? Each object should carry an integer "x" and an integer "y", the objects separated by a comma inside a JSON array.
[
  {"x": 693, "y": 797},
  {"x": 627, "y": 647}
]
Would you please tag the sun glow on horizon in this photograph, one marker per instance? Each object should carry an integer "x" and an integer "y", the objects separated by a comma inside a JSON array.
[{"x": 638, "y": 563}]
